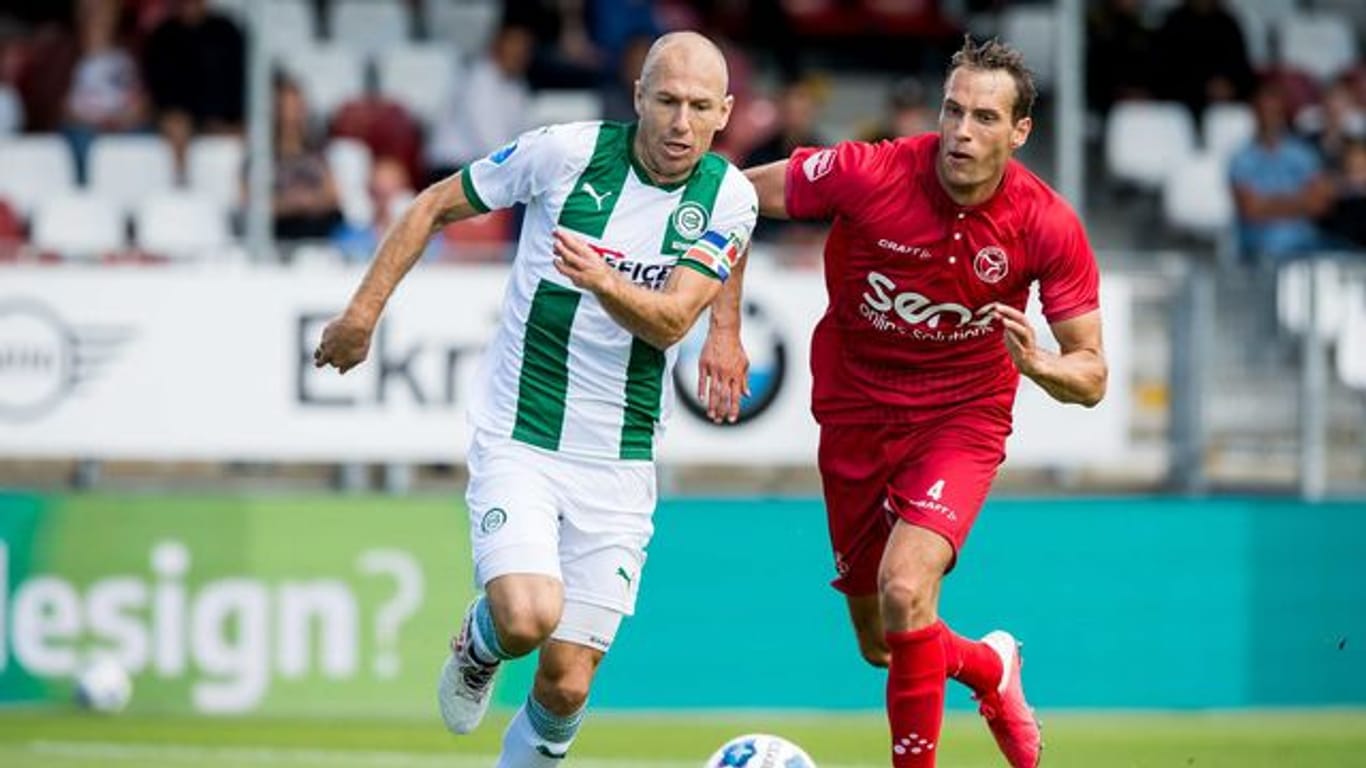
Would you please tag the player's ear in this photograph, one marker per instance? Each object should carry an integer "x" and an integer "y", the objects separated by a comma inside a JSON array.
[
  {"x": 1019, "y": 133},
  {"x": 727, "y": 104},
  {"x": 638, "y": 99}
]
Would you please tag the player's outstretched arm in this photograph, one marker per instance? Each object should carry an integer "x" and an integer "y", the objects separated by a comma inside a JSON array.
[
  {"x": 661, "y": 318},
  {"x": 346, "y": 339},
  {"x": 1077, "y": 373},
  {"x": 770, "y": 182},
  {"x": 723, "y": 366}
]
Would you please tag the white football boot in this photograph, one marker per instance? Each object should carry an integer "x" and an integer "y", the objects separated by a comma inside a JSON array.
[{"x": 466, "y": 685}]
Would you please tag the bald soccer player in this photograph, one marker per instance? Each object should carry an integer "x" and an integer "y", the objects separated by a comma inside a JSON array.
[{"x": 630, "y": 232}]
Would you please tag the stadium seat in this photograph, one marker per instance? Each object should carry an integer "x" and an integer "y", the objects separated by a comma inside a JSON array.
[
  {"x": 420, "y": 77},
  {"x": 328, "y": 74},
  {"x": 467, "y": 23},
  {"x": 1321, "y": 44},
  {"x": 290, "y": 26},
  {"x": 1030, "y": 29},
  {"x": 1228, "y": 128},
  {"x": 35, "y": 168},
  {"x": 1256, "y": 26},
  {"x": 11, "y": 110},
  {"x": 350, "y": 161},
  {"x": 1292, "y": 307},
  {"x": 1144, "y": 141},
  {"x": 1351, "y": 343},
  {"x": 126, "y": 169},
  {"x": 549, "y": 107},
  {"x": 1196, "y": 197},
  {"x": 215, "y": 169},
  {"x": 370, "y": 26},
  {"x": 79, "y": 224},
  {"x": 181, "y": 226}
]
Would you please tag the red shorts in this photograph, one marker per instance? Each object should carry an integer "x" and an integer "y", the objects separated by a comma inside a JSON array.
[{"x": 934, "y": 475}]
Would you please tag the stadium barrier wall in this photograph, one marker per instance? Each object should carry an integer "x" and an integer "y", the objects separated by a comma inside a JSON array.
[
  {"x": 215, "y": 364},
  {"x": 300, "y": 605}
]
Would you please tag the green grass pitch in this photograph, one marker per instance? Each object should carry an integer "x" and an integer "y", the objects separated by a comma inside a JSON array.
[{"x": 68, "y": 739}]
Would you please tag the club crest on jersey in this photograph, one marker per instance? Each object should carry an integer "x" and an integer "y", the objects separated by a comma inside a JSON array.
[
  {"x": 690, "y": 220},
  {"x": 991, "y": 265},
  {"x": 818, "y": 164}
]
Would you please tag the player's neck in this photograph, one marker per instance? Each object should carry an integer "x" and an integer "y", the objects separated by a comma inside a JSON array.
[{"x": 970, "y": 195}]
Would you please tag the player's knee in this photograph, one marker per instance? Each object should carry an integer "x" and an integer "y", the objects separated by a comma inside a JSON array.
[
  {"x": 906, "y": 600},
  {"x": 526, "y": 621},
  {"x": 564, "y": 693}
]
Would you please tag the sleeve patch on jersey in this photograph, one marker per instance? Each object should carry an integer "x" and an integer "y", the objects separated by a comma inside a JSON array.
[
  {"x": 715, "y": 252},
  {"x": 818, "y": 164},
  {"x": 498, "y": 157}
]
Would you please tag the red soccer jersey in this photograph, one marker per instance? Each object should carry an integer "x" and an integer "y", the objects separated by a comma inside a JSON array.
[{"x": 911, "y": 276}]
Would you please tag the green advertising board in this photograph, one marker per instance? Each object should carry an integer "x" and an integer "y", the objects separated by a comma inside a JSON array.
[{"x": 232, "y": 605}]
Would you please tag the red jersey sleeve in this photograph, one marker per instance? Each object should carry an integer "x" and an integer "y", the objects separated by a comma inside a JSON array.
[
  {"x": 1069, "y": 282},
  {"x": 822, "y": 182}
]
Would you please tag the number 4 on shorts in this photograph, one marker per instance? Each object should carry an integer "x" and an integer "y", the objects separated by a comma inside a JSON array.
[{"x": 936, "y": 491}]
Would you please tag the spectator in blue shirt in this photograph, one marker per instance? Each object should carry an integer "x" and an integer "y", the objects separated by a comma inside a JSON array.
[{"x": 1278, "y": 185}]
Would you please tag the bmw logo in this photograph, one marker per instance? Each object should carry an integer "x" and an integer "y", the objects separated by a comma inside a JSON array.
[{"x": 767, "y": 365}]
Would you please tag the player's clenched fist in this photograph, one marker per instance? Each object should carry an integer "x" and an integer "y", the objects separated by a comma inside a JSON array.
[
  {"x": 1019, "y": 337},
  {"x": 344, "y": 345}
]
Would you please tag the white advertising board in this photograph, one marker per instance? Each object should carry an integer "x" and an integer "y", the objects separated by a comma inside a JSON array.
[{"x": 215, "y": 364}]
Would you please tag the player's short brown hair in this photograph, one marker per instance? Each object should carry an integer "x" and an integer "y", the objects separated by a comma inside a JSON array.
[{"x": 994, "y": 54}]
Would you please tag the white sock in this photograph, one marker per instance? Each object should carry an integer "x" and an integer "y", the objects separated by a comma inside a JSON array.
[{"x": 538, "y": 738}]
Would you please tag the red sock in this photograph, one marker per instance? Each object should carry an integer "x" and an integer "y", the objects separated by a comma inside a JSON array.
[
  {"x": 971, "y": 662},
  {"x": 915, "y": 695}
]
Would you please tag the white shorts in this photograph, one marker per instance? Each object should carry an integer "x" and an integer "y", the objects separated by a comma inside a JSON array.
[{"x": 585, "y": 522}]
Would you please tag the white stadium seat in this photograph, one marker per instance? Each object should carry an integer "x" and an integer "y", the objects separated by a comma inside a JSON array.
[
  {"x": 370, "y": 26},
  {"x": 182, "y": 226},
  {"x": 1271, "y": 10},
  {"x": 1292, "y": 301},
  {"x": 468, "y": 24},
  {"x": 1320, "y": 44},
  {"x": 1256, "y": 26},
  {"x": 1144, "y": 141},
  {"x": 11, "y": 111},
  {"x": 548, "y": 107},
  {"x": 214, "y": 169},
  {"x": 1228, "y": 128},
  {"x": 126, "y": 169},
  {"x": 1030, "y": 29},
  {"x": 290, "y": 25},
  {"x": 350, "y": 161},
  {"x": 78, "y": 225},
  {"x": 420, "y": 77},
  {"x": 329, "y": 75},
  {"x": 35, "y": 168},
  {"x": 1196, "y": 197},
  {"x": 1351, "y": 346}
]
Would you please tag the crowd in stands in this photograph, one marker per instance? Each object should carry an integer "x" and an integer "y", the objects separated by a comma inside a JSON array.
[{"x": 1292, "y": 86}]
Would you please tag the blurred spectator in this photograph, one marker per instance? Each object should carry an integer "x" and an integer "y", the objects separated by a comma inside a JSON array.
[
  {"x": 382, "y": 124},
  {"x": 619, "y": 95},
  {"x": 391, "y": 190},
  {"x": 798, "y": 108},
  {"x": 1346, "y": 222},
  {"x": 195, "y": 64},
  {"x": 11, "y": 229},
  {"x": 909, "y": 112},
  {"x": 106, "y": 93},
  {"x": 1204, "y": 57},
  {"x": 489, "y": 108},
  {"x": 1120, "y": 54},
  {"x": 1333, "y": 123},
  {"x": 305, "y": 203},
  {"x": 564, "y": 55},
  {"x": 1278, "y": 184},
  {"x": 615, "y": 25}
]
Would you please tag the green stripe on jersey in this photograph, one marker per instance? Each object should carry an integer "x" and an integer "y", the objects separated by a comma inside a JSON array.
[
  {"x": 544, "y": 380},
  {"x": 690, "y": 219},
  {"x": 598, "y": 187},
  {"x": 644, "y": 390}
]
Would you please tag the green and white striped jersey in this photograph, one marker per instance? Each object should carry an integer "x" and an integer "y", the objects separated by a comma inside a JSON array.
[{"x": 561, "y": 374}]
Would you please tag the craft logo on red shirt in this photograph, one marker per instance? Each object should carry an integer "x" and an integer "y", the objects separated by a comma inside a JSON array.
[
  {"x": 819, "y": 164},
  {"x": 991, "y": 265}
]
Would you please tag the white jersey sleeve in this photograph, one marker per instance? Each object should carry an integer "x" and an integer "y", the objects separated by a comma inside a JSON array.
[
  {"x": 729, "y": 230},
  {"x": 534, "y": 163}
]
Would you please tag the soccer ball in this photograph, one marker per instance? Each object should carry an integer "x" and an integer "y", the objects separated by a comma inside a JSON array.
[
  {"x": 103, "y": 686},
  {"x": 759, "y": 750}
]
